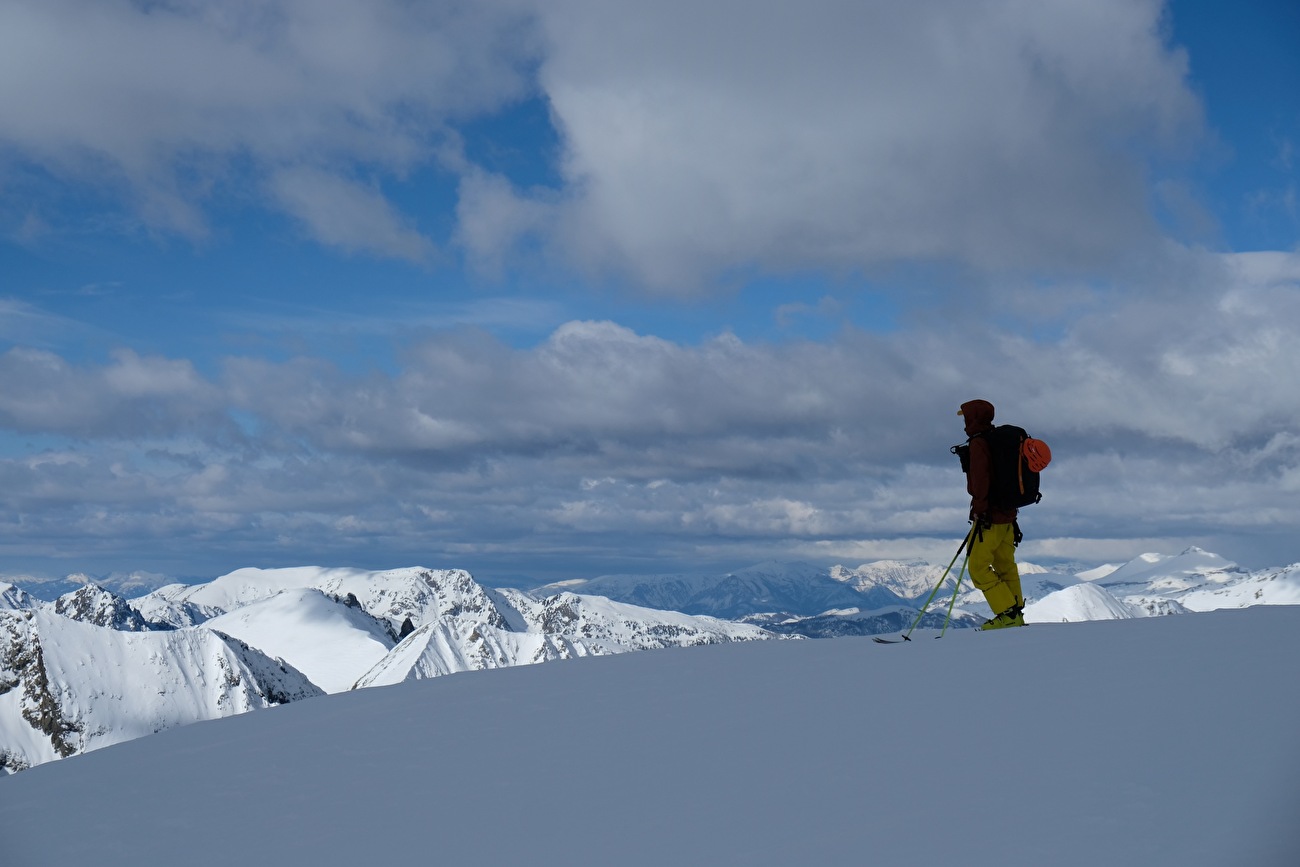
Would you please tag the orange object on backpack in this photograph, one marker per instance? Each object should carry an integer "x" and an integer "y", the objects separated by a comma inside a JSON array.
[{"x": 1036, "y": 454}]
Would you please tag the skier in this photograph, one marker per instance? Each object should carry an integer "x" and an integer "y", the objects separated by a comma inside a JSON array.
[{"x": 993, "y": 538}]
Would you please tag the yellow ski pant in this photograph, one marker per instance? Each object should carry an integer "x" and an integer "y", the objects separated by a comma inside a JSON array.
[{"x": 993, "y": 566}]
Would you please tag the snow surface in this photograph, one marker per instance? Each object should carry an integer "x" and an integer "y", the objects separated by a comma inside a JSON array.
[
  {"x": 1162, "y": 573},
  {"x": 1073, "y": 604},
  {"x": 1097, "y": 572},
  {"x": 1149, "y": 741},
  {"x": 446, "y": 647},
  {"x": 14, "y": 598},
  {"x": 68, "y": 686},
  {"x": 332, "y": 644}
]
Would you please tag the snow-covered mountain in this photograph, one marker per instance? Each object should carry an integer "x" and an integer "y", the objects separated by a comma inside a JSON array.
[
  {"x": 93, "y": 604},
  {"x": 1129, "y": 743},
  {"x": 67, "y": 687},
  {"x": 91, "y": 669},
  {"x": 450, "y": 646},
  {"x": 339, "y": 625},
  {"x": 1198, "y": 580},
  {"x": 542, "y": 629},
  {"x": 330, "y": 642},
  {"x": 15, "y": 598},
  {"x": 1077, "y": 603},
  {"x": 594, "y": 618},
  {"x": 1156, "y": 584},
  {"x": 330, "y": 630},
  {"x": 903, "y": 579},
  {"x": 394, "y": 595}
]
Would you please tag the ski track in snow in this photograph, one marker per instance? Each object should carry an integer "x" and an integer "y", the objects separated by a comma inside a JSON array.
[{"x": 1151, "y": 741}]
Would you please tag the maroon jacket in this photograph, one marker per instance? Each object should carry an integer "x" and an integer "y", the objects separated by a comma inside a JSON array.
[{"x": 979, "y": 418}]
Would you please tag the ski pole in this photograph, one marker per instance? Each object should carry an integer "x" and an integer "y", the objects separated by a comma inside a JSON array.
[
  {"x": 953, "y": 601},
  {"x": 964, "y": 543}
]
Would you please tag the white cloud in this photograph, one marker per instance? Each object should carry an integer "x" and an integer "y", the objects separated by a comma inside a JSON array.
[
  {"x": 613, "y": 446},
  {"x": 833, "y": 134},
  {"x": 492, "y": 218},
  {"x": 343, "y": 213},
  {"x": 130, "y": 396},
  {"x": 166, "y": 99},
  {"x": 697, "y": 140}
]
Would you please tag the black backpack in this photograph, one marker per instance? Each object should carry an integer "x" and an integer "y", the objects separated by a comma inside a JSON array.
[{"x": 1016, "y": 458}]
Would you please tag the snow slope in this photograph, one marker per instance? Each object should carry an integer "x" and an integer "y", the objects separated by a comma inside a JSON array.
[
  {"x": 1077, "y": 603},
  {"x": 450, "y": 646},
  {"x": 246, "y": 586},
  {"x": 326, "y": 640},
  {"x": 1148, "y": 741},
  {"x": 68, "y": 687},
  {"x": 14, "y": 598}
]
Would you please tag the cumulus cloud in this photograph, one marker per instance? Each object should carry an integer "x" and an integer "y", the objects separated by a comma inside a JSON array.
[
  {"x": 1173, "y": 422},
  {"x": 695, "y": 141},
  {"x": 1206, "y": 369},
  {"x": 130, "y": 396},
  {"x": 998, "y": 134},
  {"x": 343, "y": 213},
  {"x": 168, "y": 99}
]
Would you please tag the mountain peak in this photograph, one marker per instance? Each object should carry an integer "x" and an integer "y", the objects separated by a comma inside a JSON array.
[{"x": 95, "y": 605}]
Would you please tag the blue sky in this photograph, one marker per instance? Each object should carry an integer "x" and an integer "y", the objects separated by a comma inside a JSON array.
[{"x": 555, "y": 289}]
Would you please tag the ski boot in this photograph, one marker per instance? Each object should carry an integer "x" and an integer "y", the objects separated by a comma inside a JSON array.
[{"x": 1013, "y": 616}]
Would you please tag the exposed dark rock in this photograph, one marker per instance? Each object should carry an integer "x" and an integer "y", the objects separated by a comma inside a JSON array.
[{"x": 95, "y": 605}]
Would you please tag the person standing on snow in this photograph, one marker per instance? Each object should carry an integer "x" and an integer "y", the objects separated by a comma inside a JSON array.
[{"x": 993, "y": 536}]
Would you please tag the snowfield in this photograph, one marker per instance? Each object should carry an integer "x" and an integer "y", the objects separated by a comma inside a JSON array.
[
  {"x": 1139, "y": 741},
  {"x": 332, "y": 644}
]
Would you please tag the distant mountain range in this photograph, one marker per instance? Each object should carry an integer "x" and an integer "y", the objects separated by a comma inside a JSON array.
[
  {"x": 92, "y": 668},
  {"x": 798, "y": 589},
  {"x": 802, "y": 599}
]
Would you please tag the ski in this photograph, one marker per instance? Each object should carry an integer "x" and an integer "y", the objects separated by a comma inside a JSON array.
[{"x": 879, "y": 640}]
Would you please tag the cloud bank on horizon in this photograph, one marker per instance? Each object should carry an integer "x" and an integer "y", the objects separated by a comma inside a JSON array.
[{"x": 645, "y": 286}]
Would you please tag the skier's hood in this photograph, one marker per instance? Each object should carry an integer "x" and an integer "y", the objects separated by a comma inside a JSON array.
[{"x": 978, "y": 415}]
